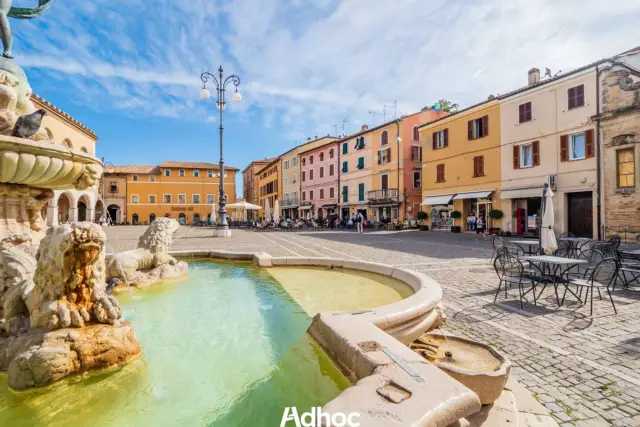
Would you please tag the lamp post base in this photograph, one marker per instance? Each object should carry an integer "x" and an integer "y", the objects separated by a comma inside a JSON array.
[{"x": 223, "y": 232}]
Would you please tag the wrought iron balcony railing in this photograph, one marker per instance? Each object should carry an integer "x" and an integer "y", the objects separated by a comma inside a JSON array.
[{"x": 388, "y": 194}]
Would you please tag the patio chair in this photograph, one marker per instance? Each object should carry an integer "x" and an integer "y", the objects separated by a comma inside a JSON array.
[
  {"x": 593, "y": 257},
  {"x": 629, "y": 264},
  {"x": 511, "y": 271},
  {"x": 602, "y": 276},
  {"x": 496, "y": 242}
]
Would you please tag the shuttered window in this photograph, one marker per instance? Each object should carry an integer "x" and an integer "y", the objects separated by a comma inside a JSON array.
[
  {"x": 345, "y": 194},
  {"x": 577, "y": 146},
  {"x": 332, "y": 193},
  {"x": 321, "y": 171},
  {"x": 311, "y": 174},
  {"x": 576, "y": 97},
  {"x": 384, "y": 138},
  {"x": 441, "y": 139},
  {"x": 524, "y": 112},
  {"x": 322, "y": 193},
  {"x": 345, "y": 148},
  {"x": 361, "y": 192},
  {"x": 478, "y": 166},
  {"x": 331, "y": 170},
  {"x": 478, "y": 128},
  {"x": 361, "y": 163},
  {"x": 345, "y": 167},
  {"x": 416, "y": 134},
  {"x": 440, "y": 173}
]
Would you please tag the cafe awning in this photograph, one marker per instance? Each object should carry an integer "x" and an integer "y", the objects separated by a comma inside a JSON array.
[
  {"x": 305, "y": 207},
  {"x": 473, "y": 195},
  {"x": 437, "y": 200},
  {"x": 330, "y": 206},
  {"x": 384, "y": 205},
  {"x": 521, "y": 193}
]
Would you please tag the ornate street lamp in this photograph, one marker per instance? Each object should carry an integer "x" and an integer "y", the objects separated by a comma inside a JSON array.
[{"x": 222, "y": 230}]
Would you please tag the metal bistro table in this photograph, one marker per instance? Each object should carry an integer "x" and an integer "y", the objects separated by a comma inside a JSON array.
[
  {"x": 528, "y": 243},
  {"x": 557, "y": 268},
  {"x": 573, "y": 244}
]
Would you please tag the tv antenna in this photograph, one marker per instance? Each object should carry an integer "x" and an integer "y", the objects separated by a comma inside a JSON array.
[
  {"x": 374, "y": 113},
  {"x": 395, "y": 110},
  {"x": 343, "y": 123}
]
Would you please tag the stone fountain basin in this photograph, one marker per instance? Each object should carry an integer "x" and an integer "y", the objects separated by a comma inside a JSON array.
[
  {"x": 478, "y": 366},
  {"x": 46, "y": 165}
]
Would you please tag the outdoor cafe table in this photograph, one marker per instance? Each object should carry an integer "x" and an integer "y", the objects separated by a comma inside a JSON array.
[
  {"x": 529, "y": 243},
  {"x": 573, "y": 244},
  {"x": 558, "y": 267}
]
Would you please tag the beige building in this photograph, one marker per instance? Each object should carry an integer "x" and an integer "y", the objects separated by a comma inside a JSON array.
[
  {"x": 290, "y": 166},
  {"x": 70, "y": 205},
  {"x": 356, "y": 164},
  {"x": 548, "y": 136}
]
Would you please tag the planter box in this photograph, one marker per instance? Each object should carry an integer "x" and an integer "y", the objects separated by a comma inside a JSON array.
[
  {"x": 494, "y": 230},
  {"x": 455, "y": 229}
]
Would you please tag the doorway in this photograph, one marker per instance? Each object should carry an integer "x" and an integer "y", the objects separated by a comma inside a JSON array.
[{"x": 581, "y": 214}]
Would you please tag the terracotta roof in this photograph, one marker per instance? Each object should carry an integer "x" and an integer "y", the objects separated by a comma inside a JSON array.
[
  {"x": 141, "y": 169},
  {"x": 268, "y": 165},
  {"x": 52, "y": 107},
  {"x": 193, "y": 165},
  {"x": 457, "y": 112}
]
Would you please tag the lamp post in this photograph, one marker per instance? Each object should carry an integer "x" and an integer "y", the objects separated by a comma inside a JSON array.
[
  {"x": 222, "y": 230},
  {"x": 104, "y": 204}
]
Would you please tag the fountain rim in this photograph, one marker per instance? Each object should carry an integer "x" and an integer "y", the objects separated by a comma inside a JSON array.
[{"x": 46, "y": 148}]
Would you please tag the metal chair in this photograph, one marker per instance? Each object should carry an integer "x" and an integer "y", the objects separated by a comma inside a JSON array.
[
  {"x": 602, "y": 276},
  {"x": 510, "y": 271},
  {"x": 593, "y": 257},
  {"x": 496, "y": 242},
  {"x": 629, "y": 264}
]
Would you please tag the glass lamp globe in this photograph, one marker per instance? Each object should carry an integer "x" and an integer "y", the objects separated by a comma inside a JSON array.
[
  {"x": 204, "y": 94},
  {"x": 236, "y": 97}
]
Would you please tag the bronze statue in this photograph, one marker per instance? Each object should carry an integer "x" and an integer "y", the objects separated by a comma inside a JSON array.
[{"x": 7, "y": 11}]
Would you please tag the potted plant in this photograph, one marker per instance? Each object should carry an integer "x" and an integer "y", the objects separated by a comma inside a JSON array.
[
  {"x": 399, "y": 225},
  {"x": 422, "y": 217},
  {"x": 455, "y": 215},
  {"x": 495, "y": 214}
]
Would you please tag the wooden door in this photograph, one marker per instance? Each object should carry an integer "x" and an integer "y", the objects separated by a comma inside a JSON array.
[{"x": 581, "y": 214}]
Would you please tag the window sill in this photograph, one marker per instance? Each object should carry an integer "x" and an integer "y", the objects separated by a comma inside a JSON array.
[
  {"x": 525, "y": 166},
  {"x": 478, "y": 176},
  {"x": 625, "y": 191},
  {"x": 575, "y": 108},
  {"x": 577, "y": 159},
  {"x": 440, "y": 182}
]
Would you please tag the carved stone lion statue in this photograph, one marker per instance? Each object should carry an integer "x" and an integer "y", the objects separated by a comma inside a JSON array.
[{"x": 150, "y": 262}]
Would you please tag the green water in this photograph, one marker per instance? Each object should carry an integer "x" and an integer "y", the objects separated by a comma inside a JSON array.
[{"x": 226, "y": 347}]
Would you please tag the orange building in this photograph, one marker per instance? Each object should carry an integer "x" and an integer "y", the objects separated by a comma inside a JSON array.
[{"x": 181, "y": 190}]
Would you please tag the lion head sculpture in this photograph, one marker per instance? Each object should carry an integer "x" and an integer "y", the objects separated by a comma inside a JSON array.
[
  {"x": 159, "y": 235},
  {"x": 69, "y": 281}
]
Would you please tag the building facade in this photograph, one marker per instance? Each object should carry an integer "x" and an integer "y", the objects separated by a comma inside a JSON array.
[
  {"x": 113, "y": 190},
  {"x": 620, "y": 125},
  {"x": 186, "y": 191},
  {"x": 319, "y": 181},
  {"x": 270, "y": 186},
  {"x": 460, "y": 168},
  {"x": 291, "y": 175},
  {"x": 250, "y": 185},
  {"x": 548, "y": 136},
  {"x": 356, "y": 163},
  {"x": 70, "y": 205}
]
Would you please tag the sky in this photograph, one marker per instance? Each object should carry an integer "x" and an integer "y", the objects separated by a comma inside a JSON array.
[{"x": 130, "y": 69}]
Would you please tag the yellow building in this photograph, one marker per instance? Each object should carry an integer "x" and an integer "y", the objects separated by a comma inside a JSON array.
[
  {"x": 185, "y": 191},
  {"x": 250, "y": 184},
  {"x": 269, "y": 185},
  {"x": 461, "y": 165}
]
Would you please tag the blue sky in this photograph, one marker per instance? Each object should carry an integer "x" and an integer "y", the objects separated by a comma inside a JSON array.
[{"x": 129, "y": 69}]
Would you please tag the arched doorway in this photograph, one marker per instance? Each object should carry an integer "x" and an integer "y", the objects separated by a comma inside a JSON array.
[
  {"x": 83, "y": 204},
  {"x": 196, "y": 218},
  {"x": 99, "y": 212},
  {"x": 152, "y": 218},
  {"x": 182, "y": 219},
  {"x": 134, "y": 219},
  {"x": 113, "y": 211},
  {"x": 64, "y": 208}
]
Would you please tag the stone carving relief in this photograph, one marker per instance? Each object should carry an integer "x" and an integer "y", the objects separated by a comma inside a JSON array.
[{"x": 623, "y": 139}]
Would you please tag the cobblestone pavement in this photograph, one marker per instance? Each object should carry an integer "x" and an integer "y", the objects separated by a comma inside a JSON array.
[{"x": 584, "y": 369}]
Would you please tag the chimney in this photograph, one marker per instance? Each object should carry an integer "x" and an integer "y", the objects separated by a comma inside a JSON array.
[
  {"x": 309, "y": 139},
  {"x": 534, "y": 76},
  {"x": 365, "y": 127},
  {"x": 316, "y": 136}
]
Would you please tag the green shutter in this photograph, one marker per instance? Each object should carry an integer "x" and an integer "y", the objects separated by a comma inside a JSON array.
[
  {"x": 345, "y": 147},
  {"x": 361, "y": 163},
  {"x": 345, "y": 166},
  {"x": 361, "y": 192},
  {"x": 345, "y": 194}
]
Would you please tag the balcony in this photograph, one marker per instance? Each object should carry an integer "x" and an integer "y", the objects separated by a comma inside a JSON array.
[
  {"x": 290, "y": 202},
  {"x": 390, "y": 194}
]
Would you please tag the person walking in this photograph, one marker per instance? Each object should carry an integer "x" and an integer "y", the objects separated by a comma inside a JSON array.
[
  {"x": 480, "y": 227},
  {"x": 360, "y": 222}
]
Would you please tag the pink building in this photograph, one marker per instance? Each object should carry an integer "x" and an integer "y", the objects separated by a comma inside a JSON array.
[{"x": 319, "y": 181}]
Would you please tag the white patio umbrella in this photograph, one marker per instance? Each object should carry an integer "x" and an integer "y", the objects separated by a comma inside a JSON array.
[
  {"x": 213, "y": 212},
  {"x": 245, "y": 207},
  {"x": 276, "y": 211},
  {"x": 548, "y": 241},
  {"x": 267, "y": 209}
]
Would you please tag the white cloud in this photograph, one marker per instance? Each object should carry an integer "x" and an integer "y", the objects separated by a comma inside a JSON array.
[{"x": 306, "y": 65}]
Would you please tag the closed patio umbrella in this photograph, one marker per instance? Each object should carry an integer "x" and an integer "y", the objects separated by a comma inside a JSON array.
[
  {"x": 267, "y": 210},
  {"x": 548, "y": 241},
  {"x": 276, "y": 211},
  {"x": 213, "y": 213}
]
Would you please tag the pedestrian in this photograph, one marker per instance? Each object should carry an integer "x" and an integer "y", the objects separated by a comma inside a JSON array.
[
  {"x": 480, "y": 227},
  {"x": 360, "y": 222},
  {"x": 471, "y": 221}
]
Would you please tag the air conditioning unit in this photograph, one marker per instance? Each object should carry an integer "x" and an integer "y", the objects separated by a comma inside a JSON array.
[{"x": 551, "y": 180}]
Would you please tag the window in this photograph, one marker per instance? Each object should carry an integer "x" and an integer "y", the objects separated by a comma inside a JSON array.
[
  {"x": 417, "y": 179},
  {"x": 360, "y": 143},
  {"x": 152, "y": 217},
  {"x": 524, "y": 112},
  {"x": 181, "y": 172},
  {"x": 166, "y": 198},
  {"x": 576, "y": 97},
  {"x": 478, "y": 128},
  {"x": 113, "y": 187},
  {"x": 311, "y": 174},
  {"x": 134, "y": 178},
  {"x": 321, "y": 171},
  {"x": 440, "y": 173},
  {"x": 416, "y": 134},
  {"x": 361, "y": 192},
  {"x": 626, "y": 169},
  {"x": 440, "y": 139},
  {"x": 577, "y": 146},
  {"x": 286, "y": 164},
  {"x": 304, "y": 162},
  {"x": 210, "y": 173},
  {"x": 384, "y": 138},
  {"x": 152, "y": 178},
  {"x": 478, "y": 166},
  {"x": 321, "y": 157},
  {"x": 294, "y": 161},
  {"x": 167, "y": 172},
  {"x": 182, "y": 199},
  {"x": 345, "y": 194},
  {"x": 195, "y": 199},
  {"x": 152, "y": 198},
  {"x": 134, "y": 219},
  {"x": 196, "y": 173},
  {"x": 331, "y": 153},
  {"x": 322, "y": 193},
  {"x": 286, "y": 180},
  {"x": 210, "y": 199},
  {"x": 304, "y": 196},
  {"x": 360, "y": 163},
  {"x": 304, "y": 174},
  {"x": 384, "y": 156},
  {"x": 345, "y": 167},
  {"x": 135, "y": 198},
  {"x": 311, "y": 195},
  {"x": 526, "y": 156},
  {"x": 416, "y": 153},
  {"x": 311, "y": 159},
  {"x": 294, "y": 179},
  {"x": 332, "y": 193},
  {"x": 67, "y": 143},
  {"x": 345, "y": 148}
]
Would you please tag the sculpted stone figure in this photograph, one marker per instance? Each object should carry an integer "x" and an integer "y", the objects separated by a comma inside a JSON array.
[
  {"x": 7, "y": 11},
  {"x": 150, "y": 262}
]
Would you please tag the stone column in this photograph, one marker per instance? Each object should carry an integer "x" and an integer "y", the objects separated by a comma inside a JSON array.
[
  {"x": 73, "y": 214},
  {"x": 91, "y": 215},
  {"x": 52, "y": 216}
]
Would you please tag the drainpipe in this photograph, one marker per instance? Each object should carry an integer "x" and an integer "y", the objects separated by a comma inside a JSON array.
[
  {"x": 339, "y": 171},
  {"x": 398, "y": 165},
  {"x": 598, "y": 155}
]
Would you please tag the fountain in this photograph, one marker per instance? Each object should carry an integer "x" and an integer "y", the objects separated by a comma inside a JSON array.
[{"x": 56, "y": 318}]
